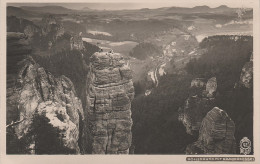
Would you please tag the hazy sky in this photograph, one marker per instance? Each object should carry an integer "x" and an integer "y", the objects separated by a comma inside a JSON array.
[{"x": 134, "y": 4}]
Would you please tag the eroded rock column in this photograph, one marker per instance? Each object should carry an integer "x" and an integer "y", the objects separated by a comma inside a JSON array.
[{"x": 109, "y": 94}]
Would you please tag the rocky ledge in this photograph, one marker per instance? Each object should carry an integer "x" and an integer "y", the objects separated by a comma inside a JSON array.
[{"x": 109, "y": 95}]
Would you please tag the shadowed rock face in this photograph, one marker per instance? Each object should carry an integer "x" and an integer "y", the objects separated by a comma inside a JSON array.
[
  {"x": 216, "y": 135},
  {"x": 38, "y": 91},
  {"x": 109, "y": 95},
  {"x": 199, "y": 103},
  {"x": 246, "y": 77}
]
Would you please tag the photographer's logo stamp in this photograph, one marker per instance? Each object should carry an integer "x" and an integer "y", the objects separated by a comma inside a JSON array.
[{"x": 245, "y": 146}]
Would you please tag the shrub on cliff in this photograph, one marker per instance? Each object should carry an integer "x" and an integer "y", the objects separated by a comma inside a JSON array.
[{"x": 224, "y": 58}]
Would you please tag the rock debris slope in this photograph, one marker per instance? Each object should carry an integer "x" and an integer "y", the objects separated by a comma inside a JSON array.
[{"x": 109, "y": 95}]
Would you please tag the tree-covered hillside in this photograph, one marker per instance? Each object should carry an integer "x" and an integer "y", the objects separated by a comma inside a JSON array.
[
  {"x": 144, "y": 50},
  {"x": 156, "y": 129}
]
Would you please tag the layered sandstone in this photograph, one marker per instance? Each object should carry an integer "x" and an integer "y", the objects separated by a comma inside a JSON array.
[
  {"x": 38, "y": 92},
  {"x": 109, "y": 95},
  {"x": 216, "y": 135}
]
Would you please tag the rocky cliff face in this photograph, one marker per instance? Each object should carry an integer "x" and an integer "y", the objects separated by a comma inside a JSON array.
[
  {"x": 246, "y": 77},
  {"x": 200, "y": 101},
  {"x": 38, "y": 93},
  {"x": 109, "y": 95},
  {"x": 216, "y": 135},
  {"x": 17, "y": 48}
]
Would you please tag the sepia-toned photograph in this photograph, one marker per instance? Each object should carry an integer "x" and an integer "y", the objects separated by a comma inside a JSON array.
[{"x": 129, "y": 78}]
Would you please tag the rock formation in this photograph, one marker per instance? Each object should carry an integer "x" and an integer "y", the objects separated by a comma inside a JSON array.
[
  {"x": 211, "y": 86},
  {"x": 76, "y": 42},
  {"x": 17, "y": 48},
  {"x": 109, "y": 95},
  {"x": 216, "y": 135},
  {"x": 200, "y": 101},
  {"x": 246, "y": 78},
  {"x": 198, "y": 82},
  {"x": 38, "y": 92}
]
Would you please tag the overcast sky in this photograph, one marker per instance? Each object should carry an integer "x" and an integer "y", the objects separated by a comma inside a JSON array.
[{"x": 135, "y": 4}]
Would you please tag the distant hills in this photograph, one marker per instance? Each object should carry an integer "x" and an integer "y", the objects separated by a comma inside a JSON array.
[
  {"x": 16, "y": 11},
  {"x": 29, "y": 11},
  {"x": 201, "y": 9},
  {"x": 48, "y": 9}
]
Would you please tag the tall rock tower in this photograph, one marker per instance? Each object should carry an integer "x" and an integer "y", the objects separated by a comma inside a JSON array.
[{"x": 109, "y": 94}]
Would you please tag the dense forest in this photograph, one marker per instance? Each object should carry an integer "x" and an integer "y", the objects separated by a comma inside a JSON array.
[
  {"x": 225, "y": 59},
  {"x": 156, "y": 128},
  {"x": 70, "y": 63},
  {"x": 144, "y": 50}
]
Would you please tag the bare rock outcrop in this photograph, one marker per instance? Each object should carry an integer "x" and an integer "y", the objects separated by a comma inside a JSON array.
[
  {"x": 109, "y": 95},
  {"x": 216, "y": 135},
  {"x": 59, "y": 118},
  {"x": 38, "y": 91},
  {"x": 198, "y": 104},
  {"x": 198, "y": 82},
  {"x": 17, "y": 48},
  {"x": 211, "y": 86},
  {"x": 76, "y": 42},
  {"x": 246, "y": 77}
]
